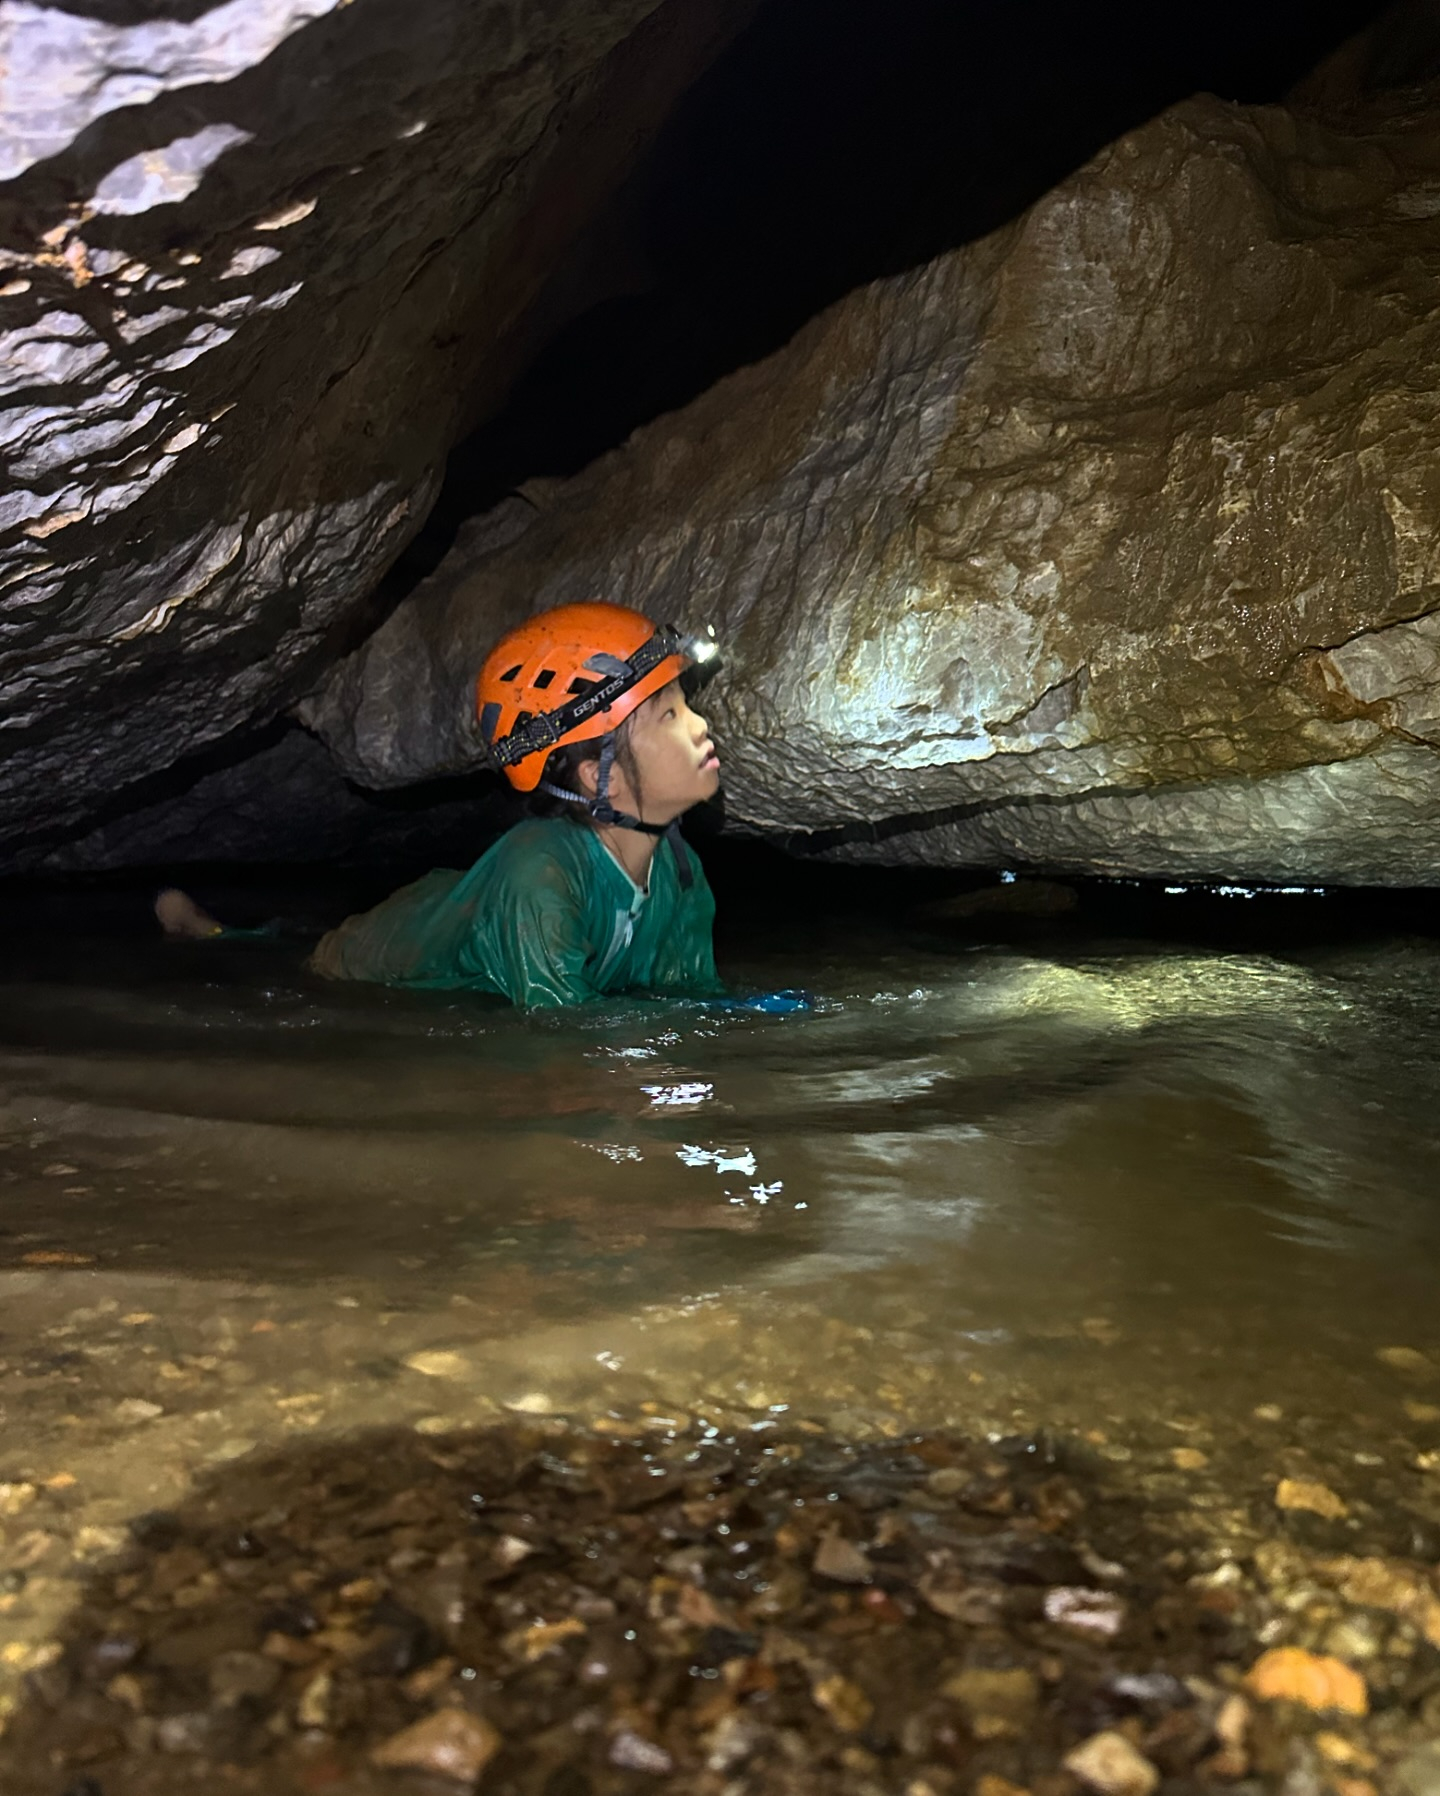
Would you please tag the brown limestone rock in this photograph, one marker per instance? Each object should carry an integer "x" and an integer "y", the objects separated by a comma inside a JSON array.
[{"x": 1107, "y": 543}]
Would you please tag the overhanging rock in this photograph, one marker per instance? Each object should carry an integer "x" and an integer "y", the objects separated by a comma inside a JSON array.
[
  {"x": 260, "y": 263},
  {"x": 1107, "y": 543}
]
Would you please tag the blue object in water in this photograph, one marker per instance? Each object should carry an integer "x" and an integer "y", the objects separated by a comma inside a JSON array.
[{"x": 770, "y": 1003}]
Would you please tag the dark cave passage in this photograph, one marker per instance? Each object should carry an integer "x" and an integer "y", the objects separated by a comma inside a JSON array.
[{"x": 837, "y": 142}]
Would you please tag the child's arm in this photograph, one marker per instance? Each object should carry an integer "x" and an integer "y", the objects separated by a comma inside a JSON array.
[{"x": 533, "y": 944}]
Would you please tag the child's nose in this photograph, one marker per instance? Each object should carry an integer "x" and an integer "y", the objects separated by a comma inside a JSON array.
[{"x": 698, "y": 726}]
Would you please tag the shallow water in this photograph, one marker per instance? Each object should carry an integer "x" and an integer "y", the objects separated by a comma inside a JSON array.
[{"x": 1162, "y": 1190}]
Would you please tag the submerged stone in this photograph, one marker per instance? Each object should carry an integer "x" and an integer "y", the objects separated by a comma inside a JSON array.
[
  {"x": 1111, "y": 1764},
  {"x": 1315, "y": 1680},
  {"x": 451, "y": 1744},
  {"x": 1307, "y": 1493}
]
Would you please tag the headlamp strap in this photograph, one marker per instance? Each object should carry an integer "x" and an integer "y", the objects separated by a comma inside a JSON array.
[
  {"x": 546, "y": 728},
  {"x": 602, "y": 811},
  {"x": 600, "y": 807}
]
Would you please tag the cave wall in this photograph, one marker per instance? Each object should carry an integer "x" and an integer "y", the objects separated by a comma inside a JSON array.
[
  {"x": 286, "y": 802},
  {"x": 1107, "y": 542},
  {"x": 260, "y": 264}
]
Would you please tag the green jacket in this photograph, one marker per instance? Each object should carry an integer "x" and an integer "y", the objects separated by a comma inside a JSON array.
[{"x": 545, "y": 917}]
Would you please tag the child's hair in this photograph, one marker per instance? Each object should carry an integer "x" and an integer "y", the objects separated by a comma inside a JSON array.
[{"x": 563, "y": 769}]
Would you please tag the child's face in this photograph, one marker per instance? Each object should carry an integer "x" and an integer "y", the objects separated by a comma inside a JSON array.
[{"x": 674, "y": 754}]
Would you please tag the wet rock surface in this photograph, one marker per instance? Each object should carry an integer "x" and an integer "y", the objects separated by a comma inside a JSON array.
[
  {"x": 1104, "y": 543},
  {"x": 349, "y": 1615},
  {"x": 255, "y": 259}
]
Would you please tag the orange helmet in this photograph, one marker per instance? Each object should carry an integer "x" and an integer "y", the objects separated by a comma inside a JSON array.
[{"x": 572, "y": 674}]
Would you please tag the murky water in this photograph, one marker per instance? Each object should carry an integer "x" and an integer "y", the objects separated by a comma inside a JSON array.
[{"x": 1163, "y": 1195}]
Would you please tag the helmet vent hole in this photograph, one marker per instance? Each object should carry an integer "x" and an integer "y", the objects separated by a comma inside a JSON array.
[
  {"x": 579, "y": 686},
  {"x": 543, "y": 678},
  {"x": 513, "y": 674}
]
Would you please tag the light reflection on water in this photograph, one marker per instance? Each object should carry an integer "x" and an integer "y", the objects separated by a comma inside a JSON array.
[
  {"x": 1135, "y": 1193},
  {"x": 1156, "y": 1153}
]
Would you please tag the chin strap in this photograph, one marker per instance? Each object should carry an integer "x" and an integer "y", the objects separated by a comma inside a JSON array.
[
  {"x": 602, "y": 811},
  {"x": 600, "y": 807}
]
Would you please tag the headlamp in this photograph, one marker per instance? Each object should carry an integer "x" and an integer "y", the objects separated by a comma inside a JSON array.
[{"x": 615, "y": 678}]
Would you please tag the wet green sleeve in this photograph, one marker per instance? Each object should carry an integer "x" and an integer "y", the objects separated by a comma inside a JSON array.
[{"x": 533, "y": 944}]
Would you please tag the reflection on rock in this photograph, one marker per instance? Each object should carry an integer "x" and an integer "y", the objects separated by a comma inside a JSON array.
[
  {"x": 1107, "y": 542},
  {"x": 258, "y": 259}
]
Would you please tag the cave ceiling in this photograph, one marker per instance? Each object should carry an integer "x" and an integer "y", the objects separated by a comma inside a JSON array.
[{"x": 1050, "y": 446}]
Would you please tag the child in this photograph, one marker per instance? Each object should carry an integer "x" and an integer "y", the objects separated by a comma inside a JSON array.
[{"x": 584, "y": 710}]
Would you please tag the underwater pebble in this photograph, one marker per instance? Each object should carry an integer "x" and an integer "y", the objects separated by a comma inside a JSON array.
[
  {"x": 1306, "y": 1493},
  {"x": 732, "y": 1740},
  {"x": 998, "y": 1705},
  {"x": 1340, "y": 1751},
  {"x": 1109, "y": 1763},
  {"x": 313, "y": 1708},
  {"x": 92, "y": 1539},
  {"x": 235, "y": 1448},
  {"x": 844, "y": 1702},
  {"x": 544, "y": 1637},
  {"x": 532, "y": 1403},
  {"x": 451, "y": 1744},
  {"x": 988, "y": 1785},
  {"x": 1232, "y": 1722},
  {"x": 633, "y": 1752},
  {"x": 1289, "y": 1674},
  {"x": 137, "y": 1409},
  {"x": 1380, "y": 1584},
  {"x": 438, "y": 1364},
  {"x": 842, "y": 1560},
  {"x": 1094, "y": 1612},
  {"x": 184, "y": 1733},
  {"x": 237, "y": 1675}
]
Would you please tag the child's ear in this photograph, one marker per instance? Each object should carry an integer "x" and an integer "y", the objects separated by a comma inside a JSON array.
[{"x": 588, "y": 774}]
